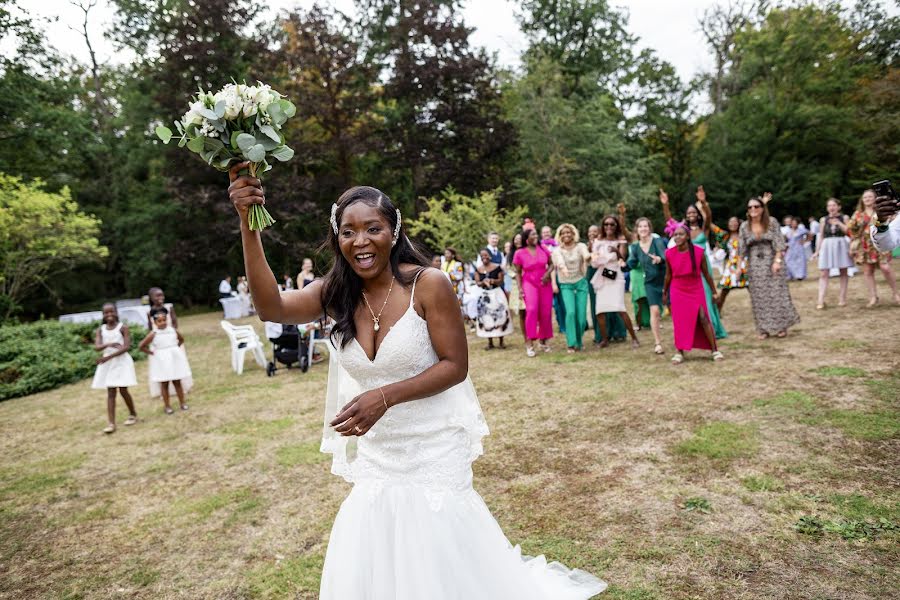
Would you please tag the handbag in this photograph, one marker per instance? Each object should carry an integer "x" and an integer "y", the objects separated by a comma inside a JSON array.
[{"x": 609, "y": 274}]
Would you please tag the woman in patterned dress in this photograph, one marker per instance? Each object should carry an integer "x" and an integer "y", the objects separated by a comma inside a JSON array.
[
  {"x": 734, "y": 270},
  {"x": 864, "y": 253},
  {"x": 762, "y": 244}
]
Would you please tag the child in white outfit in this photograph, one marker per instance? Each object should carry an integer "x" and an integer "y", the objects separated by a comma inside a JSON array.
[
  {"x": 168, "y": 369},
  {"x": 115, "y": 369}
]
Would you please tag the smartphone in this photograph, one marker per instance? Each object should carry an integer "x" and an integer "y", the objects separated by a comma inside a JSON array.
[{"x": 884, "y": 188}]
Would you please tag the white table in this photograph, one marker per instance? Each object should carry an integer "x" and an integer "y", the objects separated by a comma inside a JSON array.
[
  {"x": 233, "y": 307},
  {"x": 132, "y": 315}
]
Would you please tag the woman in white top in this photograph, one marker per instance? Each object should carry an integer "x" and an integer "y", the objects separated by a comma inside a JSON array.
[
  {"x": 115, "y": 369},
  {"x": 412, "y": 527},
  {"x": 571, "y": 259},
  {"x": 608, "y": 256}
]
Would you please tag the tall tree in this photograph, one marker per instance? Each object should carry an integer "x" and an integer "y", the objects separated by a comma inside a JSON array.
[
  {"x": 443, "y": 123},
  {"x": 573, "y": 163},
  {"x": 587, "y": 38}
]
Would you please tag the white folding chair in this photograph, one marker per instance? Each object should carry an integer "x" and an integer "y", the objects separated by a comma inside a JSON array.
[{"x": 243, "y": 338}]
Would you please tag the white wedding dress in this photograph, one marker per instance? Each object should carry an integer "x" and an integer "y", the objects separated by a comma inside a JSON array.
[{"x": 413, "y": 527}]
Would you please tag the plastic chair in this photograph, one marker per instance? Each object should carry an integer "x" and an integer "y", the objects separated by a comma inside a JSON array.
[{"x": 243, "y": 338}]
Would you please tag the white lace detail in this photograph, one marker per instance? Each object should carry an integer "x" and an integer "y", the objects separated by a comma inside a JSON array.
[{"x": 428, "y": 443}]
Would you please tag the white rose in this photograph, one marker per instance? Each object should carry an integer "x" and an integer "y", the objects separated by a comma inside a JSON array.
[{"x": 192, "y": 116}]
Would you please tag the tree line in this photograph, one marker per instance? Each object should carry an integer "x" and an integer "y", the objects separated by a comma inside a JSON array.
[{"x": 803, "y": 102}]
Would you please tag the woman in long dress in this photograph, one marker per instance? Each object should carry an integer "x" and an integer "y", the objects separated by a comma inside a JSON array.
[
  {"x": 685, "y": 268},
  {"x": 762, "y": 243},
  {"x": 493, "y": 320},
  {"x": 795, "y": 256},
  {"x": 698, "y": 219},
  {"x": 412, "y": 527},
  {"x": 865, "y": 254},
  {"x": 608, "y": 256}
]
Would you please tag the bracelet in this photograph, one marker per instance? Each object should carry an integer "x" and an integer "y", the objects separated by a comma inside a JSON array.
[{"x": 383, "y": 399}]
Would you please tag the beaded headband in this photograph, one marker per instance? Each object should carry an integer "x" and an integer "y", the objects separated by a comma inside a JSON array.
[{"x": 334, "y": 225}]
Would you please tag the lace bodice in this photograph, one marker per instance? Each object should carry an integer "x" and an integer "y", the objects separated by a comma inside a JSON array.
[{"x": 431, "y": 441}]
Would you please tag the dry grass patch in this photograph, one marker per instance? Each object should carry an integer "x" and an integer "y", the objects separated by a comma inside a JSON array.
[{"x": 592, "y": 461}]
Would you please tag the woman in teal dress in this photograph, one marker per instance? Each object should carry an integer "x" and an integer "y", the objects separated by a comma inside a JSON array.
[
  {"x": 648, "y": 254},
  {"x": 698, "y": 218}
]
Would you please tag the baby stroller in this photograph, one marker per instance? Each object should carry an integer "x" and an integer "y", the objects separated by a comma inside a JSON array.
[{"x": 289, "y": 346}]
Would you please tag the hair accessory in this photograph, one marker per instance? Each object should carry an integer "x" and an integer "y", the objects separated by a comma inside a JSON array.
[
  {"x": 334, "y": 208},
  {"x": 396, "y": 230}
]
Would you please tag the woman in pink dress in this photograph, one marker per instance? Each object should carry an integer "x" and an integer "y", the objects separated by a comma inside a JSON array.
[
  {"x": 534, "y": 269},
  {"x": 685, "y": 270}
]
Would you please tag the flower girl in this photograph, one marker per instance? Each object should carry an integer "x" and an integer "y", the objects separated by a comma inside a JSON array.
[
  {"x": 115, "y": 368},
  {"x": 169, "y": 369}
]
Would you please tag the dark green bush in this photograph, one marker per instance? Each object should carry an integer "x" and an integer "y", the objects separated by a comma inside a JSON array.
[{"x": 46, "y": 354}]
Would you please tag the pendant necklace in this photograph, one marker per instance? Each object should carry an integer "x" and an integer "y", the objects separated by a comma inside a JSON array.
[{"x": 377, "y": 318}]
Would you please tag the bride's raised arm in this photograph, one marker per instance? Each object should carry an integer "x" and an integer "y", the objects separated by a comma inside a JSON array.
[{"x": 296, "y": 306}]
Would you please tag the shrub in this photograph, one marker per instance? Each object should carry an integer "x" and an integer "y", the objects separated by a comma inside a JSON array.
[{"x": 46, "y": 354}]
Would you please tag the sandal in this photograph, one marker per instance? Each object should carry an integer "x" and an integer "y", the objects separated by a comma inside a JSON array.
[
  {"x": 678, "y": 358},
  {"x": 781, "y": 334},
  {"x": 184, "y": 407},
  {"x": 529, "y": 351},
  {"x": 718, "y": 355},
  {"x": 762, "y": 336},
  {"x": 820, "y": 306},
  {"x": 169, "y": 410},
  {"x": 658, "y": 349},
  {"x": 131, "y": 420},
  {"x": 872, "y": 302},
  {"x": 635, "y": 344},
  {"x": 570, "y": 350},
  {"x": 545, "y": 347},
  {"x": 109, "y": 429}
]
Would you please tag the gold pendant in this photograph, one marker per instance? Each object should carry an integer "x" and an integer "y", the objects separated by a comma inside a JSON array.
[{"x": 377, "y": 326}]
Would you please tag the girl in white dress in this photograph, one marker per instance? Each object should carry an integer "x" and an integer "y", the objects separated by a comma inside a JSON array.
[
  {"x": 169, "y": 369},
  {"x": 398, "y": 390},
  {"x": 115, "y": 369}
]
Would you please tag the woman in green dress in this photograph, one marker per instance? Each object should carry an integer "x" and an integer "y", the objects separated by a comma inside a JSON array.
[
  {"x": 698, "y": 218},
  {"x": 648, "y": 255}
]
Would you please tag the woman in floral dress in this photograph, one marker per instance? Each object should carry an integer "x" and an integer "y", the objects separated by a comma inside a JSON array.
[
  {"x": 762, "y": 243},
  {"x": 864, "y": 253}
]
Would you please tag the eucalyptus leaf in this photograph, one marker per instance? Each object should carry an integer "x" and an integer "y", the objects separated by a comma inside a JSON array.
[
  {"x": 270, "y": 132},
  {"x": 196, "y": 144},
  {"x": 234, "y": 136},
  {"x": 220, "y": 109},
  {"x": 164, "y": 133},
  {"x": 267, "y": 143},
  {"x": 213, "y": 144},
  {"x": 255, "y": 153},
  {"x": 283, "y": 153},
  {"x": 208, "y": 114},
  {"x": 287, "y": 108},
  {"x": 182, "y": 142},
  {"x": 179, "y": 127},
  {"x": 245, "y": 141},
  {"x": 276, "y": 114}
]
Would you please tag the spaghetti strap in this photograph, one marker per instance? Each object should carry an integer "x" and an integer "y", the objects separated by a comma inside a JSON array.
[{"x": 412, "y": 295}]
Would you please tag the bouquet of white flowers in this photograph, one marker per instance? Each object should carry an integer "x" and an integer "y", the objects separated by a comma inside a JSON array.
[{"x": 239, "y": 122}]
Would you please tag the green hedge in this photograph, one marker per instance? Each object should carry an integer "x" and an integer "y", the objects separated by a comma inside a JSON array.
[{"x": 46, "y": 354}]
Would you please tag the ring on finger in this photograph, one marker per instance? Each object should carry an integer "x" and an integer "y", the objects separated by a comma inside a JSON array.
[{"x": 358, "y": 430}]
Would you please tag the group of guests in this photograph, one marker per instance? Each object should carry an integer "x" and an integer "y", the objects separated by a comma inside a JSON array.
[
  {"x": 537, "y": 274},
  {"x": 168, "y": 373},
  {"x": 242, "y": 289}
]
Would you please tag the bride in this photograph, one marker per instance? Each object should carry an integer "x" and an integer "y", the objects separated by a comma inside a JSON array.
[{"x": 402, "y": 419}]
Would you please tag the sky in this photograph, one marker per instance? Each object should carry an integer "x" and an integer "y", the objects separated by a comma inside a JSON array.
[{"x": 669, "y": 27}]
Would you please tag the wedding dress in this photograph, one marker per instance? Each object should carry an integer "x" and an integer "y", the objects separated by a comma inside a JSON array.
[{"x": 412, "y": 527}]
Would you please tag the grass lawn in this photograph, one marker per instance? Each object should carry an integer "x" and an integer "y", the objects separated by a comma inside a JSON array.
[{"x": 773, "y": 474}]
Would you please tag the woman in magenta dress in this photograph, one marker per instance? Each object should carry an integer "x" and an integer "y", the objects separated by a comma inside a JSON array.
[
  {"x": 686, "y": 268},
  {"x": 534, "y": 269}
]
